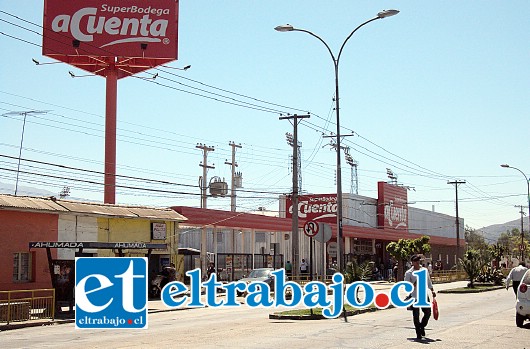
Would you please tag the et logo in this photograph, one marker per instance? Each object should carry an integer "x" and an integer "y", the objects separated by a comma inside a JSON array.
[{"x": 111, "y": 292}]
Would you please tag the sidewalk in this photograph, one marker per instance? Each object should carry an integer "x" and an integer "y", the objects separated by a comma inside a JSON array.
[{"x": 157, "y": 306}]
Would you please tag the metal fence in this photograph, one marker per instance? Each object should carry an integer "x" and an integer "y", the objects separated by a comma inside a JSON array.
[
  {"x": 439, "y": 276},
  {"x": 25, "y": 305}
]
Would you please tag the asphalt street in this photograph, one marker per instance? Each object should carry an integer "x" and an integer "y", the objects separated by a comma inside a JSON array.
[{"x": 481, "y": 320}]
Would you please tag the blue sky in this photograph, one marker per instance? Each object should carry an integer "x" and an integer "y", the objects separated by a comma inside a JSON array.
[{"x": 436, "y": 93}]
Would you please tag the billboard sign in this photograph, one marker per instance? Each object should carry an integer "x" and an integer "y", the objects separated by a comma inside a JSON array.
[
  {"x": 392, "y": 208},
  {"x": 318, "y": 207},
  {"x": 79, "y": 32}
]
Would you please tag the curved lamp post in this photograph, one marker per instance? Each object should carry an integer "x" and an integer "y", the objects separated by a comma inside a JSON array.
[
  {"x": 290, "y": 28},
  {"x": 528, "y": 196}
]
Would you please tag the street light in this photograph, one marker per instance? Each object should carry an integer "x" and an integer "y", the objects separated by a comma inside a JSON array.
[
  {"x": 528, "y": 196},
  {"x": 290, "y": 28},
  {"x": 25, "y": 113}
]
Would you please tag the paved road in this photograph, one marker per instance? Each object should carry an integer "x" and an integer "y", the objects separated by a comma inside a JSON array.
[{"x": 484, "y": 320}]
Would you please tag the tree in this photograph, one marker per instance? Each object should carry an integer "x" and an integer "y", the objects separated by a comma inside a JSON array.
[
  {"x": 474, "y": 240},
  {"x": 403, "y": 249},
  {"x": 472, "y": 263},
  {"x": 357, "y": 272},
  {"x": 497, "y": 251},
  {"x": 510, "y": 240}
]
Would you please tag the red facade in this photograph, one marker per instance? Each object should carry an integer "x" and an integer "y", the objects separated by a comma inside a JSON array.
[
  {"x": 392, "y": 206},
  {"x": 17, "y": 228}
]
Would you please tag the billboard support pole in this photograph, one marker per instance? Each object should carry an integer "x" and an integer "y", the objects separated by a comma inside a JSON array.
[{"x": 110, "y": 133}]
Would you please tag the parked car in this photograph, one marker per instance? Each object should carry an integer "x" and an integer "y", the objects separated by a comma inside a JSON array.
[
  {"x": 522, "y": 307},
  {"x": 260, "y": 274}
]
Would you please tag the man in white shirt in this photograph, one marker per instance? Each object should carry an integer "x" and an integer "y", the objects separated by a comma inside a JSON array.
[
  {"x": 410, "y": 277},
  {"x": 515, "y": 275},
  {"x": 303, "y": 267}
]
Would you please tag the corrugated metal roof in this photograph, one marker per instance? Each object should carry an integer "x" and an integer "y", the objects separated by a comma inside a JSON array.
[
  {"x": 42, "y": 204},
  {"x": 29, "y": 203},
  {"x": 96, "y": 209},
  {"x": 159, "y": 213}
]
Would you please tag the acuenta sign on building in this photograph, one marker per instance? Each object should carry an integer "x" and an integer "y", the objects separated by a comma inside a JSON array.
[
  {"x": 319, "y": 208},
  {"x": 392, "y": 209},
  {"x": 365, "y": 219}
]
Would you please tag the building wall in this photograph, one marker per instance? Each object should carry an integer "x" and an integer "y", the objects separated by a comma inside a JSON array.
[
  {"x": 359, "y": 211},
  {"x": 76, "y": 228},
  {"x": 136, "y": 230},
  {"x": 17, "y": 229},
  {"x": 445, "y": 254},
  {"x": 433, "y": 223}
]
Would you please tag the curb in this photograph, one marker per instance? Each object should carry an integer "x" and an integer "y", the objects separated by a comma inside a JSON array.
[
  {"x": 278, "y": 316},
  {"x": 471, "y": 290},
  {"x": 16, "y": 326},
  {"x": 50, "y": 322}
]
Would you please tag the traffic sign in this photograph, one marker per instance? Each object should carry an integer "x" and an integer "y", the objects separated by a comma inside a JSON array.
[
  {"x": 522, "y": 247},
  {"x": 311, "y": 228},
  {"x": 332, "y": 248},
  {"x": 324, "y": 232}
]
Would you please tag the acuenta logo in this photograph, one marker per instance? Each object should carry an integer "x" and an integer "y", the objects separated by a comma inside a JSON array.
[
  {"x": 312, "y": 294},
  {"x": 85, "y": 22},
  {"x": 329, "y": 209},
  {"x": 395, "y": 214}
]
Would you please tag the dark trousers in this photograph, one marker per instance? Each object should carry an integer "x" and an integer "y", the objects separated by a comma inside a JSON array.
[
  {"x": 420, "y": 325},
  {"x": 515, "y": 285}
]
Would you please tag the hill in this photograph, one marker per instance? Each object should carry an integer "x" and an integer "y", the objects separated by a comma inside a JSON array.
[{"x": 492, "y": 232}]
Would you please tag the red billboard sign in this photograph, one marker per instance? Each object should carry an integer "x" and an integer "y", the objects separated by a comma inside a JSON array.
[
  {"x": 91, "y": 34},
  {"x": 392, "y": 208},
  {"x": 319, "y": 207}
]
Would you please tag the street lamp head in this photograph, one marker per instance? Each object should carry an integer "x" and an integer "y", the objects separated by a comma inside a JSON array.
[
  {"x": 387, "y": 13},
  {"x": 505, "y": 165},
  {"x": 284, "y": 28}
]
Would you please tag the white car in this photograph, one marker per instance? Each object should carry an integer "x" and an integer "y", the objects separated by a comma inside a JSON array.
[{"x": 522, "y": 307}]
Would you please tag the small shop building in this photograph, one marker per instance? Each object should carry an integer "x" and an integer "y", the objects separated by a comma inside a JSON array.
[{"x": 40, "y": 238}]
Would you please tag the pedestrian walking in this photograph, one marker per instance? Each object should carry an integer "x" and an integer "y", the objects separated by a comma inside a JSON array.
[
  {"x": 515, "y": 275},
  {"x": 210, "y": 270},
  {"x": 288, "y": 268},
  {"x": 304, "y": 267},
  {"x": 419, "y": 325}
]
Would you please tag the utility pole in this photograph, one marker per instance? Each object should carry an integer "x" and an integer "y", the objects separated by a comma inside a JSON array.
[
  {"x": 203, "y": 184},
  {"x": 337, "y": 139},
  {"x": 290, "y": 140},
  {"x": 456, "y": 183},
  {"x": 295, "y": 243},
  {"x": 234, "y": 185},
  {"x": 522, "y": 231}
]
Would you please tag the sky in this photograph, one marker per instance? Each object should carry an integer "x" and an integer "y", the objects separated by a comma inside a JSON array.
[{"x": 437, "y": 93}]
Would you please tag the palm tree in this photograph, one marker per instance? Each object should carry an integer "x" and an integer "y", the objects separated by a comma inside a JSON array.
[{"x": 472, "y": 264}]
